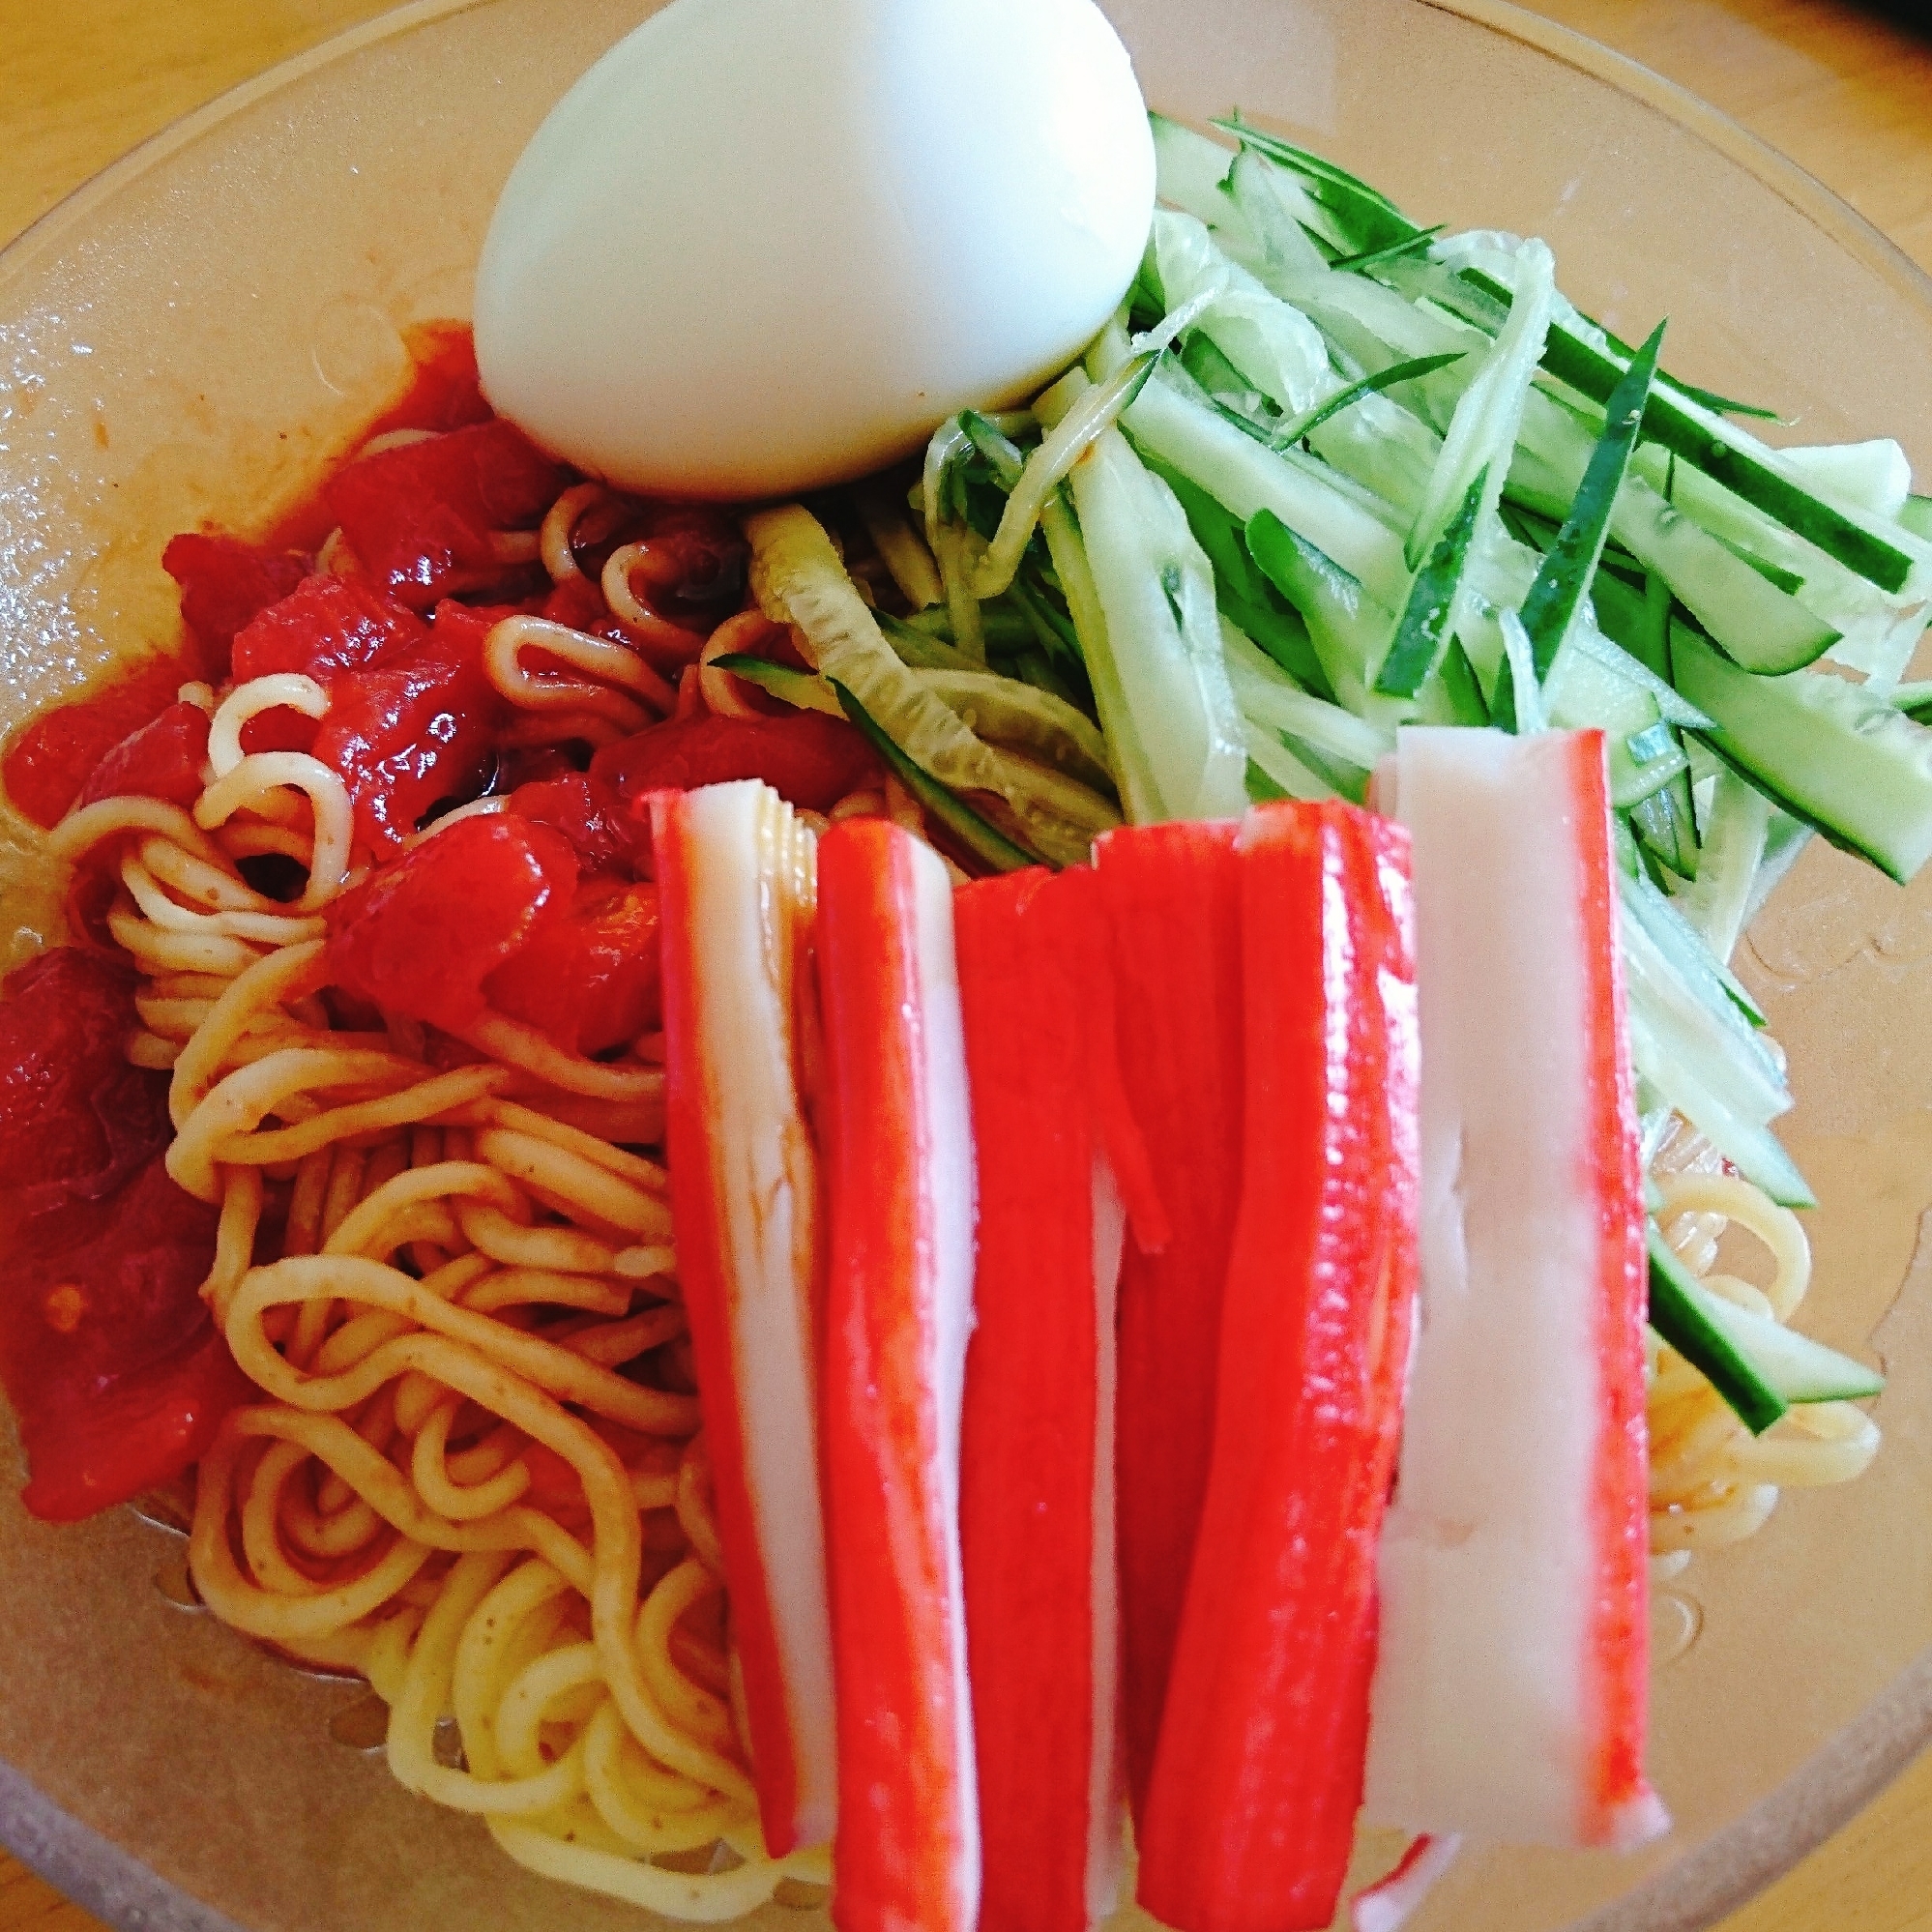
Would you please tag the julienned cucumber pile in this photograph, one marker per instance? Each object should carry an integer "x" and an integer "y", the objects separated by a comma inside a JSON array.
[{"x": 1329, "y": 473}]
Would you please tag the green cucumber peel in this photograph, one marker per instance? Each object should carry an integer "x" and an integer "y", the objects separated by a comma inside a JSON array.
[
  {"x": 1005, "y": 457},
  {"x": 1296, "y": 426},
  {"x": 1678, "y": 1313},
  {"x": 1370, "y": 258},
  {"x": 1462, "y": 689},
  {"x": 1567, "y": 570},
  {"x": 984, "y": 840},
  {"x": 1246, "y": 595},
  {"x": 1832, "y": 754},
  {"x": 1915, "y": 701},
  {"x": 1707, "y": 399},
  {"x": 1372, "y": 220},
  {"x": 1670, "y": 417},
  {"x": 1423, "y": 624},
  {"x": 921, "y": 647},
  {"x": 804, "y": 689}
]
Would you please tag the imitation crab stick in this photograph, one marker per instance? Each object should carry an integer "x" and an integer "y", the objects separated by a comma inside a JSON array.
[
  {"x": 1037, "y": 1499},
  {"x": 898, "y": 1312},
  {"x": 735, "y": 870},
  {"x": 1509, "y": 1695},
  {"x": 1173, "y": 903},
  {"x": 1250, "y": 1812}
]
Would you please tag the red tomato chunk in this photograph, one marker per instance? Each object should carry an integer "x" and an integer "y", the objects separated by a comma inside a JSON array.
[
  {"x": 105, "y": 1348},
  {"x": 589, "y": 980},
  {"x": 224, "y": 582},
  {"x": 162, "y": 760},
  {"x": 419, "y": 517},
  {"x": 413, "y": 730},
  {"x": 422, "y": 935},
  {"x": 52, "y": 758},
  {"x": 807, "y": 758}
]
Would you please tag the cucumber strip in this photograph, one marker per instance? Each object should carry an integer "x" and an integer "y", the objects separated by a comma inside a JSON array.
[
  {"x": 1267, "y": 695},
  {"x": 1297, "y": 427},
  {"x": 1281, "y": 215},
  {"x": 1707, "y": 399},
  {"x": 1420, "y": 631},
  {"x": 1915, "y": 701},
  {"x": 1205, "y": 362},
  {"x": 1801, "y": 1370},
  {"x": 1829, "y": 752},
  {"x": 1269, "y": 753},
  {"x": 1370, "y": 258},
  {"x": 1874, "y": 475},
  {"x": 980, "y": 837},
  {"x": 1518, "y": 703},
  {"x": 1346, "y": 626},
  {"x": 1629, "y": 642},
  {"x": 1071, "y": 438},
  {"x": 1723, "y": 452},
  {"x": 1680, "y": 1313},
  {"x": 1877, "y": 630},
  {"x": 1748, "y": 1144},
  {"x": 1686, "y": 1008},
  {"x": 1489, "y": 416},
  {"x": 1915, "y": 515},
  {"x": 802, "y": 688},
  {"x": 1565, "y": 572},
  {"x": 1247, "y": 597},
  {"x": 1133, "y": 767},
  {"x": 905, "y": 556},
  {"x": 1585, "y": 693},
  {"x": 1366, "y": 219},
  {"x": 1695, "y": 963},
  {"x": 1157, "y": 589},
  {"x": 919, "y": 647},
  {"x": 1189, "y": 167},
  {"x": 1455, "y": 694},
  {"x": 1247, "y": 476},
  {"x": 1666, "y": 826},
  {"x": 1756, "y": 623},
  {"x": 1790, "y": 582},
  {"x": 1714, "y": 902},
  {"x": 1052, "y": 632},
  {"x": 1004, "y": 456},
  {"x": 1274, "y": 346}
]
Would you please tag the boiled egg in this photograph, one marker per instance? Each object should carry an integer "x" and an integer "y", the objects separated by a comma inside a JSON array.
[{"x": 764, "y": 246}]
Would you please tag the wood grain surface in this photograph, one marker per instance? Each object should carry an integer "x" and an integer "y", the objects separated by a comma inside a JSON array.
[{"x": 1842, "y": 91}]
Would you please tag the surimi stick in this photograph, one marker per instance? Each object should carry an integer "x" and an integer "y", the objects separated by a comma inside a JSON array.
[
  {"x": 1037, "y": 1498},
  {"x": 898, "y": 1312},
  {"x": 736, "y": 879},
  {"x": 1509, "y": 1696},
  {"x": 1173, "y": 903},
  {"x": 1249, "y": 1815}
]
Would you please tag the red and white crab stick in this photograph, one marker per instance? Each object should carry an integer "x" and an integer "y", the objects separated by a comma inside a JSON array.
[
  {"x": 1510, "y": 1693},
  {"x": 735, "y": 873},
  {"x": 1173, "y": 902},
  {"x": 1036, "y": 1497},
  {"x": 899, "y": 1146},
  {"x": 1249, "y": 1815}
]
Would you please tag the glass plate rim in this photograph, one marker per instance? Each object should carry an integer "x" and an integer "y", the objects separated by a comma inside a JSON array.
[{"x": 1831, "y": 1786}]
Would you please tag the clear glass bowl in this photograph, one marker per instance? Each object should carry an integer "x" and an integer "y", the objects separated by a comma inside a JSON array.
[{"x": 189, "y": 336}]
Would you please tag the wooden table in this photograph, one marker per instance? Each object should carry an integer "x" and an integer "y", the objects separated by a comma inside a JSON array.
[{"x": 1842, "y": 92}]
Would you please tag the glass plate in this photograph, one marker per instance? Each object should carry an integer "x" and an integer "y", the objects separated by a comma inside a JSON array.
[{"x": 186, "y": 338}]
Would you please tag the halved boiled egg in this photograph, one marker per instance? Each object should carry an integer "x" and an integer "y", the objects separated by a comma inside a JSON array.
[{"x": 763, "y": 245}]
